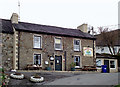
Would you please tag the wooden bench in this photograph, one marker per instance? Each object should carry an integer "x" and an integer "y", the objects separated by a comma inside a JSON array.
[
  {"x": 89, "y": 68},
  {"x": 33, "y": 67}
]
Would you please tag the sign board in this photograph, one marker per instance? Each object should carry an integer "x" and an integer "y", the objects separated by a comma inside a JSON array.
[{"x": 88, "y": 51}]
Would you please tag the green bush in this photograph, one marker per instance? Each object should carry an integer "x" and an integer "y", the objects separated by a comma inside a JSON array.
[
  {"x": 72, "y": 65},
  {"x": 117, "y": 86},
  {"x": 2, "y": 77}
]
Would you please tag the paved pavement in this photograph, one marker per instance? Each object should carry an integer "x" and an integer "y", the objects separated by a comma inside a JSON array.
[{"x": 88, "y": 79}]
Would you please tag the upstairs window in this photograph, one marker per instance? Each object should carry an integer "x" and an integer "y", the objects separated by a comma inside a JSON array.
[
  {"x": 58, "y": 44},
  {"x": 76, "y": 45},
  {"x": 37, "y": 41}
]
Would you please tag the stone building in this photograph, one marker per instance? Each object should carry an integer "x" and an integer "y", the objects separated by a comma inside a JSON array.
[{"x": 27, "y": 43}]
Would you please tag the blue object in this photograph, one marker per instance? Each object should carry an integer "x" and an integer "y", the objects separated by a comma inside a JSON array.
[{"x": 104, "y": 68}]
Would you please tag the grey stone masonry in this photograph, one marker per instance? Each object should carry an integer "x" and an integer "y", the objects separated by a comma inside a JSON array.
[
  {"x": 7, "y": 51},
  {"x": 26, "y": 50}
]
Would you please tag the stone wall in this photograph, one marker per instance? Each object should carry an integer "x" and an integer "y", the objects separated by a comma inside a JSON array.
[
  {"x": 7, "y": 51},
  {"x": 26, "y": 50}
]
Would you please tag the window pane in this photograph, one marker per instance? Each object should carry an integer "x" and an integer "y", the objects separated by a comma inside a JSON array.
[
  {"x": 76, "y": 42},
  {"x": 76, "y": 45},
  {"x": 112, "y": 64},
  {"x": 58, "y": 41},
  {"x": 76, "y": 48},
  {"x": 58, "y": 44},
  {"x": 37, "y": 41},
  {"x": 34, "y": 59},
  {"x": 37, "y": 58},
  {"x": 77, "y": 60},
  {"x": 98, "y": 63}
]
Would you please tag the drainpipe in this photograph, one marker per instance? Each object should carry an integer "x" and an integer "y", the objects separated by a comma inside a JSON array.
[
  {"x": 94, "y": 60},
  {"x": 14, "y": 49},
  {"x": 65, "y": 59}
]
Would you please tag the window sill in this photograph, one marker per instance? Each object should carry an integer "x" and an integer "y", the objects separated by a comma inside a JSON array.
[
  {"x": 59, "y": 50},
  {"x": 78, "y": 67},
  {"x": 98, "y": 68},
  {"x": 112, "y": 68},
  {"x": 38, "y": 48},
  {"x": 77, "y": 51}
]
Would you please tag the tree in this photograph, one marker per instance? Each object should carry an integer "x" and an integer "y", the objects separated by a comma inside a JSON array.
[{"x": 108, "y": 38}]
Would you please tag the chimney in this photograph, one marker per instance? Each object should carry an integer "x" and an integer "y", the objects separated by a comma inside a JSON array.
[
  {"x": 14, "y": 18},
  {"x": 83, "y": 28}
]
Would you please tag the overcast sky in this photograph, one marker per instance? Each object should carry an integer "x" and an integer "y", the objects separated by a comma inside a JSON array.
[{"x": 63, "y": 13}]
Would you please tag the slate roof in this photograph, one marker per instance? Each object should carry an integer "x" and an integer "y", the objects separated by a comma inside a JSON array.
[
  {"x": 105, "y": 56},
  {"x": 38, "y": 28},
  {"x": 6, "y": 26}
]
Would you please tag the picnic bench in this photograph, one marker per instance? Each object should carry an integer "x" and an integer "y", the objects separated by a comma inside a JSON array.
[
  {"x": 33, "y": 67},
  {"x": 89, "y": 68}
]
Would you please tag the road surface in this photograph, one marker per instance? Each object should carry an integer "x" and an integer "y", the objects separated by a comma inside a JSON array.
[{"x": 88, "y": 79}]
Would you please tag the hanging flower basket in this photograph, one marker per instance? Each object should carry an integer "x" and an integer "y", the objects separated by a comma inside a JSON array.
[
  {"x": 17, "y": 75},
  {"x": 36, "y": 78}
]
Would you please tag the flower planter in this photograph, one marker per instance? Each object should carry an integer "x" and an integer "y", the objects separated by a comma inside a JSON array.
[
  {"x": 36, "y": 79},
  {"x": 17, "y": 75},
  {"x": 72, "y": 69},
  {"x": 48, "y": 68}
]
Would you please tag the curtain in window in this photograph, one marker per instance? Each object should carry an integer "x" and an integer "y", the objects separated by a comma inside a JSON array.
[
  {"x": 77, "y": 60},
  {"x": 37, "y": 59}
]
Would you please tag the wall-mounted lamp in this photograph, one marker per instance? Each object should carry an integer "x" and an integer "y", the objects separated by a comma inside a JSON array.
[
  {"x": 88, "y": 46},
  {"x": 51, "y": 58}
]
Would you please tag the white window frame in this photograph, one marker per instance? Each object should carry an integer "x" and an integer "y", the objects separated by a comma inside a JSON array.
[
  {"x": 114, "y": 64},
  {"x": 39, "y": 43},
  {"x": 41, "y": 58},
  {"x": 79, "y": 59},
  {"x": 60, "y": 43},
  {"x": 79, "y": 45}
]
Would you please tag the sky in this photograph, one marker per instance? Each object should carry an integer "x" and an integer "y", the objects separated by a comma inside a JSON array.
[{"x": 64, "y": 13}]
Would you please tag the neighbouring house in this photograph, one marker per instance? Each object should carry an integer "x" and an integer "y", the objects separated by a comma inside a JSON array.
[
  {"x": 28, "y": 43},
  {"x": 110, "y": 61},
  {"x": 103, "y": 50}
]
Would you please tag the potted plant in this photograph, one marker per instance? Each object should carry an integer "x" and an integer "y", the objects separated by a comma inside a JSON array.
[
  {"x": 72, "y": 65},
  {"x": 48, "y": 67},
  {"x": 17, "y": 75},
  {"x": 36, "y": 78}
]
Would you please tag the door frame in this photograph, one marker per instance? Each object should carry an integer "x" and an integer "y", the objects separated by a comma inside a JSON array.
[
  {"x": 108, "y": 65},
  {"x": 61, "y": 61}
]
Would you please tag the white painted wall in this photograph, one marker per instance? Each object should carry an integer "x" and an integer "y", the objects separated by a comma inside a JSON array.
[
  {"x": 119, "y": 15},
  {"x": 106, "y": 49}
]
